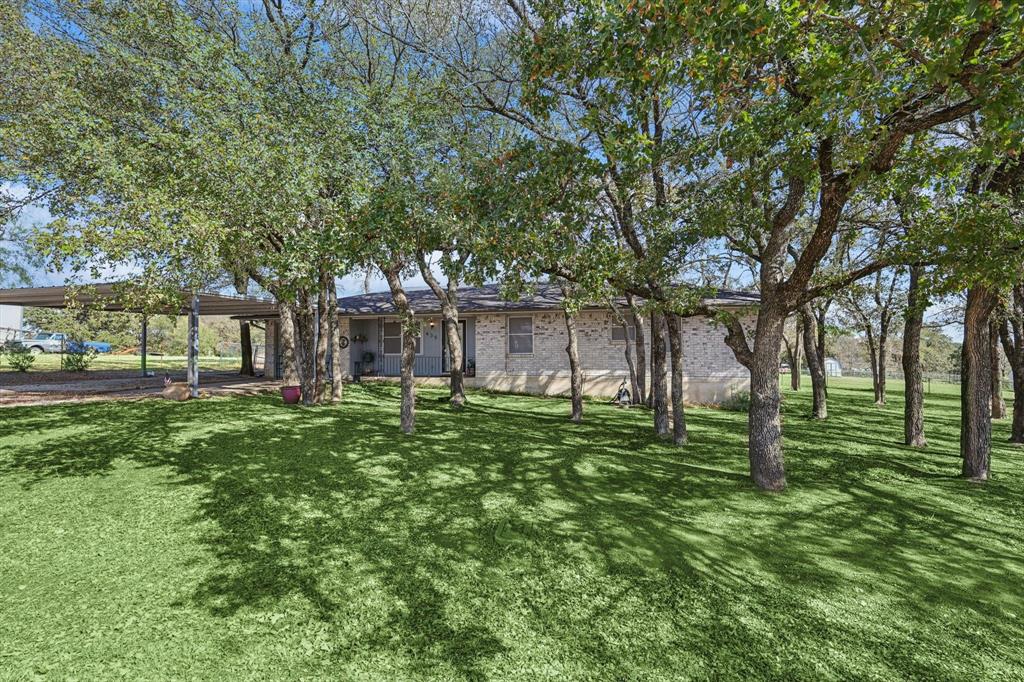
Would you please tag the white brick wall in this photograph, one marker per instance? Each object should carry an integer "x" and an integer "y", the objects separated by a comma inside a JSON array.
[
  {"x": 705, "y": 353},
  {"x": 710, "y": 368}
]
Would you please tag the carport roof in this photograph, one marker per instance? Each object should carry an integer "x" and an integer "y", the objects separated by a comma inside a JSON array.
[{"x": 106, "y": 297}]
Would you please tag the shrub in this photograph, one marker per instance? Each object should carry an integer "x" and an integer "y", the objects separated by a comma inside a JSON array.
[
  {"x": 19, "y": 357},
  {"x": 77, "y": 360},
  {"x": 737, "y": 402}
]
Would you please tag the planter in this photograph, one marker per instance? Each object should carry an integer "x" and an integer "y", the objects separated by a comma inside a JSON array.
[{"x": 291, "y": 394}]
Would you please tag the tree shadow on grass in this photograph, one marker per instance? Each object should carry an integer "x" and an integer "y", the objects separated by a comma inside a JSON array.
[{"x": 505, "y": 530}]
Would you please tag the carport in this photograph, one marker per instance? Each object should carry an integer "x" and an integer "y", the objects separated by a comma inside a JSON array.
[{"x": 109, "y": 296}]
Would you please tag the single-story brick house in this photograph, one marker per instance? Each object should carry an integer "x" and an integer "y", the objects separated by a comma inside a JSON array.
[{"x": 519, "y": 345}]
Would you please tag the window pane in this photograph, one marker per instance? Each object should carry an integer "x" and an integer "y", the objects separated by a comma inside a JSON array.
[
  {"x": 520, "y": 343},
  {"x": 392, "y": 345},
  {"x": 419, "y": 344},
  {"x": 520, "y": 325},
  {"x": 392, "y": 329},
  {"x": 619, "y": 335}
]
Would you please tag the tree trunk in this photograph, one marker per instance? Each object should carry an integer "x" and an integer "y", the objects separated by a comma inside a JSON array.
[
  {"x": 913, "y": 404},
  {"x": 815, "y": 366},
  {"x": 337, "y": 371},
  {"x": 575, "y": 369},
  {"x": 305, "y": 327},
  {"x": 291, "y": 362},
  {"x": 788, "y": 347},
  {"x": 245, "y": 341},
  {"x": 1017, "y": 428},
  {"x": 448, "y": 299},
  {"x": 323, "y": 340},
  {"x": 408, "y": 414},
  {"x": 659, "y": 388},
  {"x": 995, "y": 365},
  {"x": 634, "y": 386},
  {"x": 1013, "y": 346},
  {"x": 820, "y": 316},
  {"x": 675, "y": 338},
  {"x": 764, "y": 442},
  {"x": 873, "y": 358},
  {"x": 457, "y": 387},
  {"x": 641, "y": 397},
  {"x": 794, "y": 363},
  {"x": 976, "y": 385},
  {"x": 883, "y": 363}
]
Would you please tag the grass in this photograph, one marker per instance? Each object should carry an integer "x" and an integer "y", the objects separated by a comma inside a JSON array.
[
  {"x": 237, "y": 538},
  {"x": 49, "y": 362}
]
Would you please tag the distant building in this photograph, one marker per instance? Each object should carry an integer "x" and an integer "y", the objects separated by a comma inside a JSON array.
[
  {"x": 833, "y": 367},
  {"x": 10, "y": 322}
]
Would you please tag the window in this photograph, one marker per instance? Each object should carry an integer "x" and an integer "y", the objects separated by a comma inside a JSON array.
[
  {"x": 619, "y": 334},
  {"x": 520, "y": 335},
  {"x": 393, "y": 339}
]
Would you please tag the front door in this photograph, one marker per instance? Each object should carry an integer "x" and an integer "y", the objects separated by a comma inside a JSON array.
[{"x": 445, "y": 358}]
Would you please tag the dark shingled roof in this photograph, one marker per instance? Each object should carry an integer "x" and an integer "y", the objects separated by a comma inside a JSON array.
[{"x": 488, "y": 299}]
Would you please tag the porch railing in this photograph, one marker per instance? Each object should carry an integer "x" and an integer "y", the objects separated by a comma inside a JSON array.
[{"x": 425, "y": 366}]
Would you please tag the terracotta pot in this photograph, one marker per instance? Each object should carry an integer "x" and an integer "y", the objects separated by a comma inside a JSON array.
[{"x": 291, "y": 394}]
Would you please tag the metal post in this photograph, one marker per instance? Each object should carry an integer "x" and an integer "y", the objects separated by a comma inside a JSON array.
[
  {"x": 193, "y": 348},
  {"x": 144, "y": 342}
]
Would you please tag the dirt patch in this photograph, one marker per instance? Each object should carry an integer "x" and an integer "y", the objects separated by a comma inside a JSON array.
[
  {"x": 59, "y": 387},
  {"x": 14, "y": 380}
]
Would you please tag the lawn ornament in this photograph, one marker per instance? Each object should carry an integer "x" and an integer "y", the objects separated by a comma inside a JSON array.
[
  {"x": 175, "y": 390},
  {"x": 622, "y": 397}
]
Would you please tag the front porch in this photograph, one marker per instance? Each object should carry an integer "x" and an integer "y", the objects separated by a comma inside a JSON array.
[{"x": 376, "y": 344}]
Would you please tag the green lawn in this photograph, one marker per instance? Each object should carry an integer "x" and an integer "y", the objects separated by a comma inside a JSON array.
[{"x": 239, "y": 538}]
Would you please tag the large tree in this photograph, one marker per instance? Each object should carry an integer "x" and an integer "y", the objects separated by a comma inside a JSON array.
[
  {"x": 541, "y": 220},
  {"x": 545, "y": 67},
  {"x": 806, "y": 131},
  {"x": 1011, "y": 335},
  {"x": 974, "y": 233},
  {"x": 196, "y": 139}
]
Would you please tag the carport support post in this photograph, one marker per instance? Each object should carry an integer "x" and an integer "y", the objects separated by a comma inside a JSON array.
[
  {"x": 143, "y": 342},
  {"x": 193, "y": 348}
]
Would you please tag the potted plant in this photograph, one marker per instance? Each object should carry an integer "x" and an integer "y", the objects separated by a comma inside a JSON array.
[
  {"x": 291, "y": 394},
  {"x": 368, "y": 359}
]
